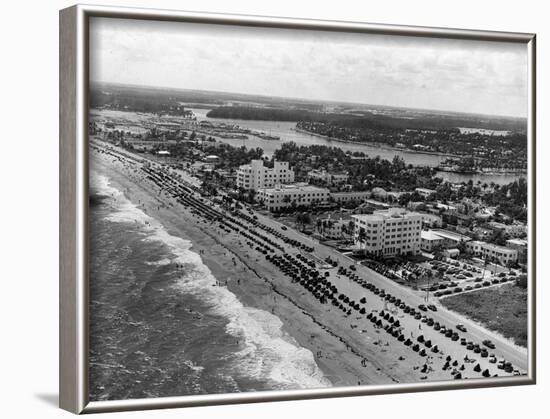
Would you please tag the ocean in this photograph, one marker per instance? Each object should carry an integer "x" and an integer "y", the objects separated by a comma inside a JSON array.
[{"x": 159, "y": 325}]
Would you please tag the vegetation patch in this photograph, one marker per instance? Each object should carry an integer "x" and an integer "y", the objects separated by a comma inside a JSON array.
[{"x": 502, "y": 309}]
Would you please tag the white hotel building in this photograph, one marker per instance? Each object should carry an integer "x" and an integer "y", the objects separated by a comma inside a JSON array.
[
  {"x": 389, "y": 232},
  {"x": 283, "y": 196},
  {"x": 255, "y": 176}
]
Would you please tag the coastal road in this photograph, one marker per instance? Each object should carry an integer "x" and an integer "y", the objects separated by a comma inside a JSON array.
[{"x": 504, "y": 349}]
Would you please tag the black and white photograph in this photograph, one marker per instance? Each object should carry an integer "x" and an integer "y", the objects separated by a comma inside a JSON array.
[{"x": 277, "y": 209}]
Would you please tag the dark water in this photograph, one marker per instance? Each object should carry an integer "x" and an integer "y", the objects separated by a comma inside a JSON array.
[{"x": 158, "y": 326}]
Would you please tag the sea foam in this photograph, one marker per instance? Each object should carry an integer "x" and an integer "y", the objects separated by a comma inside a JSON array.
[{"x": 268, "y": 352}]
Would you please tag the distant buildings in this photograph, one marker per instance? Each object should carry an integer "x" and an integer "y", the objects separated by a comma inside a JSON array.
[
  {"x": 388, "y": 233},
  {"x": 431, "y": 220},
  {"x": 425, "y": 193},
  {"x": 212, "y": 159},
  {"x": 295, "y": 195},
  {"x": 328, "y": 178},
  {"x": 255, "y": 176}
]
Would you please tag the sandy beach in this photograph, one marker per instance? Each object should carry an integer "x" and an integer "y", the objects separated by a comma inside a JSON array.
[
  {"x": 257, "y": 285},
  {"x": 348, "y": 349}
]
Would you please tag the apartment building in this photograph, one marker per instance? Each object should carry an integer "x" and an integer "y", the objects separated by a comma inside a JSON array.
[
  {"x": 255, "y": 175},
  {"x": 388, "y": 232},
  {"x": 492, "y": 252}
]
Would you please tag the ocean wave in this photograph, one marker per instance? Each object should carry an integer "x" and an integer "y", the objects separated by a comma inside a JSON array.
[
  {"x": 161, "y": 262},
  {"x": 268, "y": 352}
]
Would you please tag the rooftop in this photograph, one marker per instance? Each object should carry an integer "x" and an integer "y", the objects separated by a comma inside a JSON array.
[
  {"x": 517, "y": 242},
  {"x": 386, "y": 214},
  {"x": 429, "y": 235},
  {"x": 451, "y": 235},
  {"x": 298, "y": 187}
]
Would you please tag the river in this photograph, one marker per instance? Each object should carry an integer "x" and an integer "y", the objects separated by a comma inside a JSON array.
[{"x": 287, "y": 132}]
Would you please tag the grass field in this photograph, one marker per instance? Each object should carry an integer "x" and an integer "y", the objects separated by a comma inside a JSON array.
[{"x": 502, "y": 309}]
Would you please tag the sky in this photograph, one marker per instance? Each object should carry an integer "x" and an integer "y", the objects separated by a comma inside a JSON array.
[{"x": 427, "y": 73}]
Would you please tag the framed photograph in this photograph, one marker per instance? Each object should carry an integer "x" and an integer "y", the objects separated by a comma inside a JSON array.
[{"x": 258, "y": 208}]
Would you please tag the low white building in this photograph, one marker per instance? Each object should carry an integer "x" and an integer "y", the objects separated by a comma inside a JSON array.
[
  {"x": 492, "y": 252},
  {"x": 500, "y": 254},
  {"x": 430, "y": 241},
  {"x": 298, "y": 194},
  {"x": 388, "y": 232},
  {"x": 451, "y": 238}
]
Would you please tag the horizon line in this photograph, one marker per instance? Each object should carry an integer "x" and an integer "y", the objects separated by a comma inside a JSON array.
[{"x": 525, "y": 118}]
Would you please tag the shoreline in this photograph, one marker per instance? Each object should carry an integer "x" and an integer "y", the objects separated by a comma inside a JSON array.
[
  {"x": 377, "y": 145},
  {"x": 408, "y": 150},
  {"x": 255, "y": 290}
]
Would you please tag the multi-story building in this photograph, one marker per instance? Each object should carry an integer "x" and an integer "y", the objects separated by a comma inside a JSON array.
[
  {"x": 388, "y": 232},
  {"x": 298, "y": 195},
  {"x": 492, "y": 252},
  {"x": 474, "y": 247},
  {"x": 499, "y": 254},
  {"x": 521, "y": 246},
  {"x": 255, "y": 176},
  {"x": 329, "y": 178}
]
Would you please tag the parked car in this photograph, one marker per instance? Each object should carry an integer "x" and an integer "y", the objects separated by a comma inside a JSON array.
[
  {"x": 489, "y": 344},
  {"x": 432, "y": 307}
]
